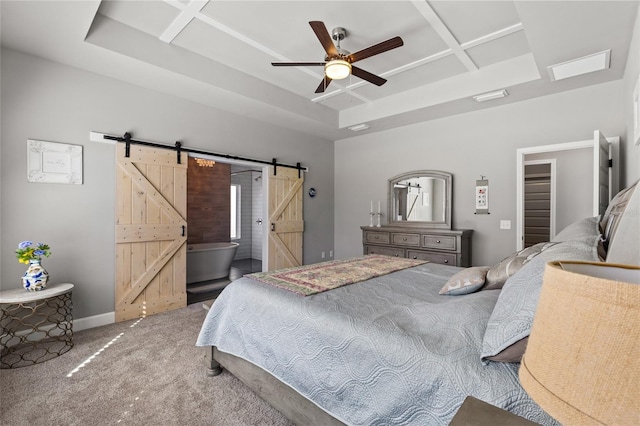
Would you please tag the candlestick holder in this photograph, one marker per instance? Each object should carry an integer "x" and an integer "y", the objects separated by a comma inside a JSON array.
[
  {"x": 379, "y": 216},
  {"x": 371, "y": 214}
]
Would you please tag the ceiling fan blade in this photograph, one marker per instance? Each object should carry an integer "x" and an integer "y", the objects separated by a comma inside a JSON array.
[
  {"x": 366, "y": 75},
  {"x": 323, "y": 84},
  {"x": 298, "y": 64},
  {"x": 324, "y": 37},
  {"x": 392, "y": 43}
]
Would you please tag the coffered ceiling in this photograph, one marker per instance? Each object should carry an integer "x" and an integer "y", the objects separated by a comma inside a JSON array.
[{"x": 219, "y": 53}]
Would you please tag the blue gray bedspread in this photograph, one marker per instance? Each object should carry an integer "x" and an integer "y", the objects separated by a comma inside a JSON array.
[{"x": 387, "y": 351}]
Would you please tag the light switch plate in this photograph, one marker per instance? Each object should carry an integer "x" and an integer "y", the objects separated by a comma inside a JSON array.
[{"x": 505, "y": 224}]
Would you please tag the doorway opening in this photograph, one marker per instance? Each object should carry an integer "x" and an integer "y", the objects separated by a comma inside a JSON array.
[
  {"x": 247, "y": 229},
  {"x": 593, "y": 163},
  {"x": 224, "y": 207}
]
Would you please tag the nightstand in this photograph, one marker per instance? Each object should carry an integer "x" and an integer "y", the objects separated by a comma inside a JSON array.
[
  {"x": 36, "y": 326},
  {"x": 474, "y": 412}
]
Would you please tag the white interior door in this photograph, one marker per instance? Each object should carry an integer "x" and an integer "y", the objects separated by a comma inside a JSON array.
[{"x": 600, "y": 173}]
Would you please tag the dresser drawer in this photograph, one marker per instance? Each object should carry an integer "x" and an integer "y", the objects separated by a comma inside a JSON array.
[
  {"x": 403, "y": 239},
  {"x": 387, "y": 251},
  {"x": 377, "y": 237},
  {"x": 441, "y": 242},
  {"x": 433, "y": 256}
]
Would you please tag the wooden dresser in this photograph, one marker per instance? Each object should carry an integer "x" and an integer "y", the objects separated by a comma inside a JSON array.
[{"x": 447, "y": 246}]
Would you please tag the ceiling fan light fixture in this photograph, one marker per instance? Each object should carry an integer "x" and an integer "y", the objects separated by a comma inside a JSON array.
[{"x": 337, "y": 69}]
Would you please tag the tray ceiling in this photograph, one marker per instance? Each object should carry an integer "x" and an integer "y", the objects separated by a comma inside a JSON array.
[{"x": 219, "y": 52}]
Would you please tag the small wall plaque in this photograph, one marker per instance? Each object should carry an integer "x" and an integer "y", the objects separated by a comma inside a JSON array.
[
  {"x": 50, "y": 162},
  {"x": 482, "y": 196}
]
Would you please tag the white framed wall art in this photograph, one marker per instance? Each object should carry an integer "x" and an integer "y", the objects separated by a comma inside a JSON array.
[{"x": 52, "y": 162}]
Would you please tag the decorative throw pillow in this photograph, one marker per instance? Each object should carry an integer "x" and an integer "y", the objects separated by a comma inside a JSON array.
[
  {"x": 498, "y": 274},
  {"x": 616, "y": 206},
  {"x": 466, "y": 281},
  {"x": 512, "y": 316}
]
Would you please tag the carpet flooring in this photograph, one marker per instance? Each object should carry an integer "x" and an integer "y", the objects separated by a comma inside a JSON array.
[{"x": 139, "y": 372}]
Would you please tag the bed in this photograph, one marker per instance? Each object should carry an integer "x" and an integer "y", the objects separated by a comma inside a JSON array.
[{"x": 405, "y": 347}]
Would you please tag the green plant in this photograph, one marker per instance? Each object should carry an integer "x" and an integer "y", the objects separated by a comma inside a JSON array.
[{"x": 28, "y": 251}]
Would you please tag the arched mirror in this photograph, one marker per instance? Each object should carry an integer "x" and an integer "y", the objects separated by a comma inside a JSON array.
[{"x": 421, "y": 198}]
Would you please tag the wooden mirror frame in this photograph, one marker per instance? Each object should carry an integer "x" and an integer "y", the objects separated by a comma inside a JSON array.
[{"x": 391, "y": 201}]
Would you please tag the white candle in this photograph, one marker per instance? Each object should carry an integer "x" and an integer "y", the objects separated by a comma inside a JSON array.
[
  {"x": 371, "y": 210},
  {"x": 378, "y": 206}
]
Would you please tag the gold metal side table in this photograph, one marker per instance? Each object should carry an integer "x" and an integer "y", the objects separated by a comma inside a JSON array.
[{"x": 35, "y": 326}]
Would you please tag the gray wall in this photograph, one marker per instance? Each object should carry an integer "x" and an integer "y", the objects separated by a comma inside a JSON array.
[
  {"x": 52, "y": 102},
  {"x": 629, "y": 152},
  {"x": 467, "y": 145}
]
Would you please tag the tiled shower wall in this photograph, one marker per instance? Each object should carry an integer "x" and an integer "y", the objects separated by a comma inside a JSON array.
[
  {"x": 250, "y": 211},
  {"x": 256, "y": 214}
]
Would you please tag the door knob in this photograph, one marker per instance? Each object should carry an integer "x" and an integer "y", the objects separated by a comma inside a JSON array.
[{"x": 259, "y": 221}]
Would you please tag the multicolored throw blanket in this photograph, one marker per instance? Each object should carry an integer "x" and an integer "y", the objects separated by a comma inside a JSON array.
[{"x": 319, "y": 277}]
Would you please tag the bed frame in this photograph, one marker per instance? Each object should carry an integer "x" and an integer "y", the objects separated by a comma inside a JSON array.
[
  {"x": 282, "y": 397},
  {"x": 623, "y": 248}
]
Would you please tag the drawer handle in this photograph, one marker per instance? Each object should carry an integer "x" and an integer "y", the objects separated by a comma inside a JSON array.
[
  {"x": 446, "y": 261},
  {"x": 438, "y": 241},
  {"x": 376, "y": 237},
  {"x": 415, "y": 257},
  {"x": 396, "y": 255},
  {"x": 404, "y": 239}
]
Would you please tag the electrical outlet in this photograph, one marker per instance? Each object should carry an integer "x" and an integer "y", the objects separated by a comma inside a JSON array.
[
  {"x": 322, "y": 255},
  {"x": 330, "y": 253},
  {"x": 505, "y": 224}
]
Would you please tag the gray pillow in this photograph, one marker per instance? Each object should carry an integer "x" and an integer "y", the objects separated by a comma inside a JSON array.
[
  {"x": 467, "y": 281},
  {"x": 579, "y": 230},
  {"x": 513, "y": 313},
  {"x": 498, "y": 274}
]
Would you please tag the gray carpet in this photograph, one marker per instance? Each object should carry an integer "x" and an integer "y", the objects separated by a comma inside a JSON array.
[{"x": 152, "y": 374}]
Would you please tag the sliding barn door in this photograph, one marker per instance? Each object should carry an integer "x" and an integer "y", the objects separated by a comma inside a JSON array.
[
  {"x": 151, "y": 199},
  {"x": 285, "y": 218}
]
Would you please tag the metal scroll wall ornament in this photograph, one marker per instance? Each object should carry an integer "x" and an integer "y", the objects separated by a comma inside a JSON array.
[{"x": 482, "y": 196}]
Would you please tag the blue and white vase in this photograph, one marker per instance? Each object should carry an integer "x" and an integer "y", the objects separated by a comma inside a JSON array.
[{"x": 36, "y": 277}]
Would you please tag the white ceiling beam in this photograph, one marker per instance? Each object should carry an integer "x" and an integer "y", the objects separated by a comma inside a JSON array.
[
  {"x": 441, "y": 29},
  {"x": 182, "y": 20},
  {"x": 493, "y": 36}
]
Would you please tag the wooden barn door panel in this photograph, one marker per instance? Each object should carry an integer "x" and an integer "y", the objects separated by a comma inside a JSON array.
[
  {"x": 151, "y": 197},
  {"x": 285, "y": 218}
]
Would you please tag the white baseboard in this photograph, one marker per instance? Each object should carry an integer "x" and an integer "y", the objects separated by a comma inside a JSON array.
[
  {"x": 93, "y": 321},
  {"x": 41, "y": 333}
]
